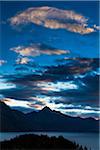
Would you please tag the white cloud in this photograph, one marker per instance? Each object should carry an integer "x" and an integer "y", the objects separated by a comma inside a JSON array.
[
  {"x": 5, "y": 85},
  {"x": 50, "y": 86},
  {"x": 53, "y": 18},
  {"x": 16, "y": 103}
]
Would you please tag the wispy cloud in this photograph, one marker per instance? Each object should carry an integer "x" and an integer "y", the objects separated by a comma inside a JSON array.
[
  {"x": 38, "y": 49},
  {"x": 50, "y": 86},
  {"x": 53, "y": 18}
]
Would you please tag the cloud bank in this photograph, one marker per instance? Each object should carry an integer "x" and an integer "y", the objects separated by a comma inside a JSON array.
[{"x": 64, "y": 87}]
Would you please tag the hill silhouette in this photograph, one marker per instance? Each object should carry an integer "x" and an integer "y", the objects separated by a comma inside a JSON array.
[
  {"x": 35, "y": 142},
  {"x": 44, "y": 120}
]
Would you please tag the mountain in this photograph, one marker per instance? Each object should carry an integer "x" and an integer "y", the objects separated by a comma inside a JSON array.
[
  {"x": 11, "y": 120},
  {"x": 44, "y": 120},
  {"x": 48, "y": 120}
]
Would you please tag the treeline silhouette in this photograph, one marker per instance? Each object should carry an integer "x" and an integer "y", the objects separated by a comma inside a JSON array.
[{"x": 35, "y": 142}]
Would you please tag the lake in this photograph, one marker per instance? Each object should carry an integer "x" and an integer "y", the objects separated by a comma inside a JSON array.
[{"x": 90, "y": 140}]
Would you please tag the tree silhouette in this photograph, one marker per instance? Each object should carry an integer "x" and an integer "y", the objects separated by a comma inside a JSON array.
[{"x": 31, "y": 142}]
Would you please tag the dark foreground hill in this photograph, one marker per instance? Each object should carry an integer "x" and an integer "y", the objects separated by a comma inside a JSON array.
[
  {"x": 44, "y": 120},
  {"x": 35, "y": 142}
]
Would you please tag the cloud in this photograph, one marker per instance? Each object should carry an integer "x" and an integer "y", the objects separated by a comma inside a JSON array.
[
  {"x": 2, "y": 62},
  {"x": 71, "y": 66},
  {"x": 96, "y": 27},
  {"x": 56, "y": 82},
  {"x": 82, "y": 112},
  {"x": 58, "y": 87},
  {"x": 23, "y": 60},
  {"x": 35, "y": 103},
  {"x": 5, "y": 85},
  {"x": 38, "y": 49},
  {"x": 53, "y": 18},
  {"x": 14, "y": 103},
  {"x": 77, "y": 28},
  {"x": 75, "y": 60}
]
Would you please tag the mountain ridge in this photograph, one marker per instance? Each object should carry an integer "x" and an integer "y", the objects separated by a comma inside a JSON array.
[
  {"x": 47, "y": 109},
  {"x": 44, "y": 120}
]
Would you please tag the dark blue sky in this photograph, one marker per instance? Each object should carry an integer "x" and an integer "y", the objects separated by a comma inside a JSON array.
[{"x": 50, "y": 56}]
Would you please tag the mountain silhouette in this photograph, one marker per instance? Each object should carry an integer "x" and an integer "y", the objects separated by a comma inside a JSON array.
[
  {"x": 11, "y": 120},
  {"x": 46, "y": 109},
  {"x": 44, "y": 120}
]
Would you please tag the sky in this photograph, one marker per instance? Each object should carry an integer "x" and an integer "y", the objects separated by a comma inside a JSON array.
[{"x": 49, "y": 56}]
